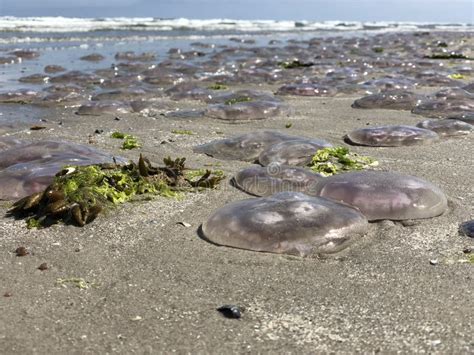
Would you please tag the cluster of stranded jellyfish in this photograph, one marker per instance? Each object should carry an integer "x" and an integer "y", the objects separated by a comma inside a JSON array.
[{"x": 293, "y": 209}]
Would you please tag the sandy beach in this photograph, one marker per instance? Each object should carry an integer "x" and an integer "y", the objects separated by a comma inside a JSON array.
[{"x": 154, "y": 284}]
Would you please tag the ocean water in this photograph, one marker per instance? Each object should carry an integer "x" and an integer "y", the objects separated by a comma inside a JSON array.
[{"x": 64, "y": 40}]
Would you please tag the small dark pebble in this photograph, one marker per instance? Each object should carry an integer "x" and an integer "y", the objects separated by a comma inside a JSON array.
[
  {"x": 99, "y": 131},
  {"x": 467, "y": 228},
  {"x": 7, "y": 294},
  {"x": 77, "y": 250},
  {"x": 231, "y": 311},
  {"x": 117, "y": 118},
  {"x": 37, "y": 128},
  {"x": 43, "y": 267},
  {"x": 21, "y": 251},
  {"x": 468, "y": 250}
]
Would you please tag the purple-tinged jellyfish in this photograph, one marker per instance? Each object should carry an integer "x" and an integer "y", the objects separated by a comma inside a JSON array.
[
  {"x": 391, "y": 100},
  {"x": 297, "y": 152},
  {"x": 246, "y": 111},
  {"x": 246, "y": 147},
  {"x": 286, "y": 223},
  {"x": 442, "y": 108},
  {"x": 266, "y": 181},
  {"x": 97, "y": 108},
  {"x": 391, "y": 136},
  {"x": 31, "y": 167},
  {"x": 306, "y": 89},
  {"x": 447, "y": 127},
  {"x": 219, "y": 97},
  {"x": 385, "y": 195},
  {"x": 189, "y": 91}
]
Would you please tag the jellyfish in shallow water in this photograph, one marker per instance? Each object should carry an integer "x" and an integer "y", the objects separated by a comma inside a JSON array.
[
  {"x": 385, "y": 195},
  {"x": 447, "y": 127},
  {"x": 392, "y": 100},
  {"x": 297, "y": 152},
  {"x": 20, "y": 96},
  {"x": 246, "y": 111},
  {"x": 246, "y": 147},
  {"x": 391, "y": 136},
  {"x": 286, "y": 223},
  {"x": 31, "y": 167},
  {"x": 266, "y": 181}
]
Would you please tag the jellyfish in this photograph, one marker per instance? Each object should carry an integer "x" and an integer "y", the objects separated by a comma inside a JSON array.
[
  {"x": 385, "y": 195},
  {"x": 447, "y": 127},
  {"x": 306, "y": 89},
  {"x": 246, "y": 147},
  {"x": 28, "y": 167},
  {"x": 265, "y": 181},
  {"x": 245, "y": 111},
  {"x": 442, "y": 108},
  {"x": 392, "y": 100},
  {"x": 240, "y": 96},
  {"x": 296, "y": 152},
  {"x": 97, "y": 108},
  {"x": 391, "y": 136},
  {"x": 286, "y": 223}
]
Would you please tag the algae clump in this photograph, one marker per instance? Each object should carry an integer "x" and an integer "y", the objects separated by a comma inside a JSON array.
[
  {"x": 237, "y": 100},
  {"x": 456, "y": 76},
  {"x": 80, "y": 193},
  {"x": 78, "y": 282},
  {"x": 182, "y": 131},
  {"x": 130, "y": 142},
  {"x": 294, "y": 64},
  {"x": 333, "y": 160},
  {"x": 218, "y": 86}
]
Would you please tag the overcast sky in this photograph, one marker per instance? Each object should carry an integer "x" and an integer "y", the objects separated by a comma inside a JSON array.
[{"x": 355, "y": 10}]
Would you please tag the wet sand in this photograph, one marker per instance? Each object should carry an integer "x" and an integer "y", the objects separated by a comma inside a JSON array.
[{"x": 155, "y": 285}]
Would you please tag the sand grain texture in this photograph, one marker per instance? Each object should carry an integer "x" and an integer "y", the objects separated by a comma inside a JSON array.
[{"x": 156, "y": 285}]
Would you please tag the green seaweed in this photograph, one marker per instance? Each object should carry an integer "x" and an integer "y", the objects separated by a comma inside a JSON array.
[
  {"x": 130, "y": 142},
  {"x": 333, "y": 160},
  {"x": 182, "y": 131},
  {"x": 79, "y": 193},
  {"x": 377, "y": 49},
  {"x": 289, "y": 125},
  {"x": 118, "y": 135},
  {"x": 456, "y": 76},
  {"x": 237, "y": 100},
  {"x": 33, "y": 223},
  {"x": 78, "y": 282},
  {"x": 294, "y": 64},
  {"x": 217, "y": 86}
]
